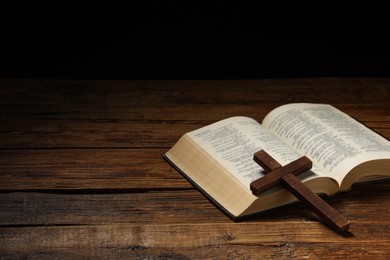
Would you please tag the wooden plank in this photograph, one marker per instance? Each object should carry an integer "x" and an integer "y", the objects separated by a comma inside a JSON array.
[
  {"x": 26, "y": 133},
  {"x": 169, "y": 113},
  {"x": 365, "y": 204},
  {"x": 196, "y": 91},
  {"x": 87, "y": 169},
  {"x": 243, "y": 240},
  {"x": 43, "y": 209}
]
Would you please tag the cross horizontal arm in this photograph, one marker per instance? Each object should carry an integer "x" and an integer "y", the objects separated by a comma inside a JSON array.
[{"x": 273, "y": 178}]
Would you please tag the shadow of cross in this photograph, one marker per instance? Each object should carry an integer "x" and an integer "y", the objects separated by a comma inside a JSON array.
[{"x": 286, "y": 175}]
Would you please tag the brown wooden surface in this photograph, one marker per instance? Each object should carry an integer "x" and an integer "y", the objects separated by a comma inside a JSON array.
[{"x": 82, "y": 175}]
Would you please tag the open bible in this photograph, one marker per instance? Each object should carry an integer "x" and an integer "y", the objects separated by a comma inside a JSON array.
[{"x": 218, "y": 158}]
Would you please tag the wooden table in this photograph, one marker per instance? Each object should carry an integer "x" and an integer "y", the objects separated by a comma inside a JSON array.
[{"x": 82, "y": 174}]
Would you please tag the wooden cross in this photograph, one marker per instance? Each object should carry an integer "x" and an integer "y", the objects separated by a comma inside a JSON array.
[{"x": 276, "y": 174}]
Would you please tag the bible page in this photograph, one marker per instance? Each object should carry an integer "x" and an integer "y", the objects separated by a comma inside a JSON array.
[{"x": 334, "y": 141}]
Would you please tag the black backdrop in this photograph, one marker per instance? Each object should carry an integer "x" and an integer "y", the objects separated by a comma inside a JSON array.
[{"x": 193, "y": 40}]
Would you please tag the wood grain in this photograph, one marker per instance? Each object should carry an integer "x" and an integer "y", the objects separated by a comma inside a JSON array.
[
  {"x": 87, "y": 169},
  {"x": 182, "y": 241},
  {"x": 169, "y": 206},
  {"x": 81, "y": 172}
]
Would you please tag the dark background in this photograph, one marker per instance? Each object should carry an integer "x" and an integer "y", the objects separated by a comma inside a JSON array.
[{"x": 193, "y": 40}]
